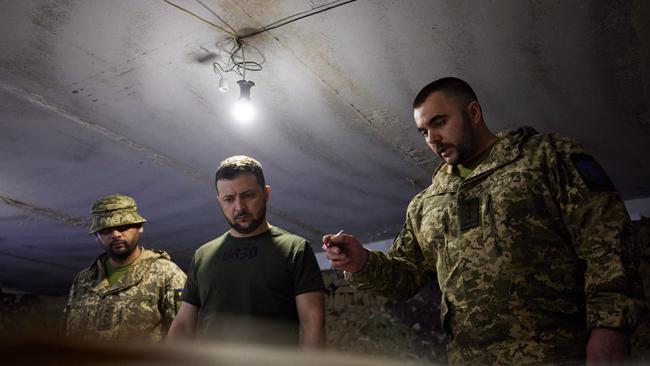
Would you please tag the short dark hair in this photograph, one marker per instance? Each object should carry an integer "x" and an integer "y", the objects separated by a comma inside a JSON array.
[
  {"x": 450, "y": 86},
  {"x": 239, "y": 164}
]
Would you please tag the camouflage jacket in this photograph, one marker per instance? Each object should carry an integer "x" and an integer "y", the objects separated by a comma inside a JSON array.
[
  {"x": 141, "y": 304},
  {"x": 531, "y": 250}
]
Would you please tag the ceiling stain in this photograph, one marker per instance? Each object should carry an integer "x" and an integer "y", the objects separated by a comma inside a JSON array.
[
  {"x": 153, "y": 155},
  {"x": 46, "y": 212},
  {"x": 52, "y": 15}
]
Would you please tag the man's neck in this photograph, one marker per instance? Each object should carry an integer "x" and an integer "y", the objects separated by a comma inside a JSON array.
[
  {"x": 485, "y": 143},
  {"x": 118, "y": 262},
  {"x": 260, "y": 229}
]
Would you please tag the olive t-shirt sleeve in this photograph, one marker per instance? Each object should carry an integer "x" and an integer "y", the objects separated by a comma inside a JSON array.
[
  {"x": 191, "y": 291},
  {"x": 307, "y": 276}
]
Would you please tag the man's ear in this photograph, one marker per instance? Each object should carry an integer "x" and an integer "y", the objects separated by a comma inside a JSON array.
[
  {"x": 474, "y": 111},
  {"x": 141, "y": 229},
  {"x": 267, "y": 193}
]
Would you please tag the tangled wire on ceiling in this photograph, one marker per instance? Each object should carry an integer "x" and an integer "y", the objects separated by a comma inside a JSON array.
[{"x": 235, "y": 47}]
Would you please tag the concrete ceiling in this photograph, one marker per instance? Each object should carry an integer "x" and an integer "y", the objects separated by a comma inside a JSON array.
[{"x": 99, "y": 97}]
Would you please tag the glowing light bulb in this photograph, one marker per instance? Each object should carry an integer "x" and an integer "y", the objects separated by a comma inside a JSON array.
[{"x": 243, "y": 111}]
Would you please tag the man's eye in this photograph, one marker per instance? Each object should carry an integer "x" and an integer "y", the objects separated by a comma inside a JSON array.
[
  {"x": 424, "y": 133},
  {"x": 227, "y": 199}
]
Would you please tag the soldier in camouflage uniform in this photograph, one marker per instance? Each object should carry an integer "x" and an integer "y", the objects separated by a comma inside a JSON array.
[
  {"x": 128, "y": 291},
  {"x": 530, "y": 243}
]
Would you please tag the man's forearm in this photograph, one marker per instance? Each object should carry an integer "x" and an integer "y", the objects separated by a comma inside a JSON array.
[
  {"x": 606, "y": 347},
  {"x": 311, "y": 312},
  {"x": 313, "y": 335},
  {"x": 184, "y": 324},
  {"x": 180, "y": 331}
]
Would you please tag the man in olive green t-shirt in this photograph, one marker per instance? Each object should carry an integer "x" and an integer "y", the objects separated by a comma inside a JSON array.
[{"x": 256, "y": 282}]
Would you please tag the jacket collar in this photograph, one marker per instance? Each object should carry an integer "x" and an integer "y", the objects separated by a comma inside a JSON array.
[
  {"x": 505, "y": 150},
  {"x": 132, "y": 277}
]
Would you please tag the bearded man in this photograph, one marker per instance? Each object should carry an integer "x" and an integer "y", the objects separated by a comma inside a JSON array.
[
  {"x": 256, "y": 282},
  {"x": 524, "y": 233},
  {"x": 129, "y": 292}
]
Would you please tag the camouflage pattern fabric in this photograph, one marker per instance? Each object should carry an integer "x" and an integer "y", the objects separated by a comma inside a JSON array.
[
  {"x": 360, "y": 322},
  {"x": 529, "y": 254},
  {"x": 114, "y": 210},
  {"x": 640, "y": 340},
  {"x": 141, "y": 305}
]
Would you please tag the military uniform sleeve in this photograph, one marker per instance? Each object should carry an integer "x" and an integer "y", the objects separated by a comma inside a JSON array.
[
  {"x": 172, "y": 292},
  {"x": 601, "y": 234},
  {"x": 67, "y": 315},
  {"x": 401, "y": 273}
]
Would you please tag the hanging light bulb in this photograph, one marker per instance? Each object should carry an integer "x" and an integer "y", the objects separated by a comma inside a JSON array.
[
  {"x": 243, "y": 110},
  {"x": 245, "y": 88}
]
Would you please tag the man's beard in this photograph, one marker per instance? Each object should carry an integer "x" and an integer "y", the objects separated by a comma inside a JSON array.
[
  {"x": 122, "y": 255},
  {"x": 259, "y": 220},
  {"x": 466, "y": 147}
]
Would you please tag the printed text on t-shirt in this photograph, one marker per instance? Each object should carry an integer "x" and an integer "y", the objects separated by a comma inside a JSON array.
[{"x": 239, "y": 253}]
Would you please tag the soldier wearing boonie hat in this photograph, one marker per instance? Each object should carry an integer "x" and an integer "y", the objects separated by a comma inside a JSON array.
[
  {"x": 128, "y": 291},
  {"x": 114, "y": 210}
]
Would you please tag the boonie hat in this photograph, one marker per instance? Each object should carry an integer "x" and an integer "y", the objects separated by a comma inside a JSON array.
[{"x": 114, "y": 210}]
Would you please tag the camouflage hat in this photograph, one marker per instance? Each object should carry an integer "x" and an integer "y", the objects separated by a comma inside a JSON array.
[{"x": 114, "y": 210}]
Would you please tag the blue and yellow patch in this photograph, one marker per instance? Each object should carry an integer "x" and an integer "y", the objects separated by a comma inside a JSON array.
[
  {"x": 592, "y": 173},
  {"x": 178, "y": 298}
]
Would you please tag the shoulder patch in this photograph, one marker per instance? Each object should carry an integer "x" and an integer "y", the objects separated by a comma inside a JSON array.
[
  {"x": 468, "y": 213},
  {"x": 592, "y": 173},
  {"x": 178, "y": 299}
]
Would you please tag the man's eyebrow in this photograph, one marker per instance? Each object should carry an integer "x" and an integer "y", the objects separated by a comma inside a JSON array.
[
  {"x": 239, "y": 193},
  {"x": 435, "y": 118},
  {"x": 431, "y": 121}
]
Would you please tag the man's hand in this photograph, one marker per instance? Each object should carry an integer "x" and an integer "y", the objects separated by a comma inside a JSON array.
[
  {"x": 345, "y": 252},
  {"x": 606, "y": 347}
]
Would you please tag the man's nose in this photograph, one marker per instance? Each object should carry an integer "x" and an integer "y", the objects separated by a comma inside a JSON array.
[
  {"x": 432, "y": 137},
  {"x": 239, "y": 204}
]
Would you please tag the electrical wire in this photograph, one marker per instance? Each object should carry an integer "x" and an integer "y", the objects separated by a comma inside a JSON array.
[
  {"x": 243, "y": 57},
  {"x": 268, "y": 28},
  {"x": 205, "y": 20},
  {"x": 240, "y": 66},
  {"x": 226, "y": 65},
  {"x": 238, "y": 60},
  {"x": 217, "y": 15},
  {"x": 301, "y": 13}
]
